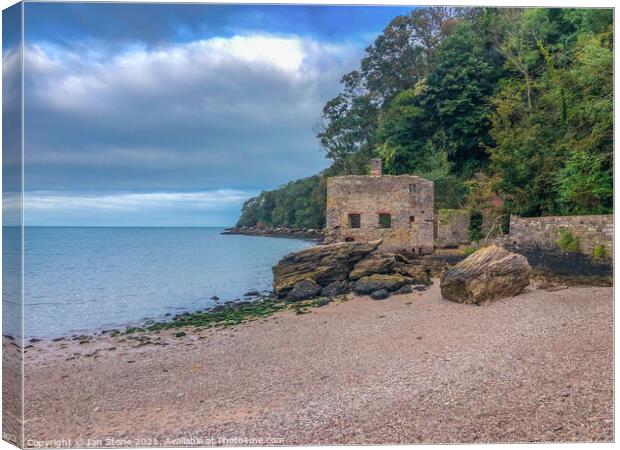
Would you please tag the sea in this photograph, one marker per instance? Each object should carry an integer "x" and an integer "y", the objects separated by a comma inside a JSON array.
[{"x": 84, "y": 279}]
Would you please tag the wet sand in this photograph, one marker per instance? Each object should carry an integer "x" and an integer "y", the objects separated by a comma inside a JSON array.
[{"x": 413, "y": 368}]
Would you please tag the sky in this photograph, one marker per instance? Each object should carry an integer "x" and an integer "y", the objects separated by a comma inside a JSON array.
[{"x": 173, "y": 115}]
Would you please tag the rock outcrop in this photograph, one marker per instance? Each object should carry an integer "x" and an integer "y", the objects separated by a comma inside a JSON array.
[
  {"x": 375, "y": 263},
  {"x": 324, "y": 264},
  {"x": 489, "y": 274},
  {"x": 286, "y": 232},
  {"x": 335, "y": 269}
]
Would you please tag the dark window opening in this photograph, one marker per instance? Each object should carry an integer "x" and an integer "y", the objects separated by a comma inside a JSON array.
[
  {"x": 349, "y": 239},
  {"x": 412, "y": 188},
  {"x": 385, "y": 221},
  {"x": 355, "y": 220},
  {"x": 411, "y": 220}
]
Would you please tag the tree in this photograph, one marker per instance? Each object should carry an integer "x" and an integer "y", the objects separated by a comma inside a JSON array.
[
  {"x": 463, "y": 79},
  {"x": 399, "y": 58},
  {"x": 544, "y": 138}
]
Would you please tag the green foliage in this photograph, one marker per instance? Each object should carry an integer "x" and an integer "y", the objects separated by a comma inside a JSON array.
[
  {"x": 568, "y": 242},
  {"x": 599, "y": 252},
  {"x": 467, "y": 251},
  {"x": 299, "y": 203},
  {"x": 403, "y": 148},
  {"x": 475, "y": 226},
  {"x": 515, "y": 104},
  {"x": 553, "y": 121}
]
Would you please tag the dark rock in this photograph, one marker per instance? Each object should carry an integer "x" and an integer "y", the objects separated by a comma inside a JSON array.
[
  {"x": 420, "y": 288},
  {"x": 252, "y": 293},
  {"x": 489, "y": 274},
  {"x": 215, "y": 297},
  {"x": 371, "y": 283},
  {"x": 333, "y": 289},
  {"x": 303, "y": 290},
  {"x": 324, "y": 264},
  {"x": 406, "y": 289},
  {"x": 380, "y": 294},
  {"x": 263, "y": 230}
]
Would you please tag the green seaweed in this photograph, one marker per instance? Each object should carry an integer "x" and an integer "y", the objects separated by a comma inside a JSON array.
[{"x": 226, "y": 316}]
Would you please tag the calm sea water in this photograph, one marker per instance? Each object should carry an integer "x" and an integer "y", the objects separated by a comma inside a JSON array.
[{"x": 83, "y": 279}]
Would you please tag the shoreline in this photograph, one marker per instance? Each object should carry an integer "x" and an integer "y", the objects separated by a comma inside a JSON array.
[
  {"x": 280, "y": 232},
  {"x": 144, "y": 323},
  {"x": 527, "y": 368}
]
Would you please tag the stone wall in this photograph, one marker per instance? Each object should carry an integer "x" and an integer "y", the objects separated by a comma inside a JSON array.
[
  {"x": 408, "y": 199},
  {"x": 452, "y": 227},
  {"x": 544, "y": 232}
]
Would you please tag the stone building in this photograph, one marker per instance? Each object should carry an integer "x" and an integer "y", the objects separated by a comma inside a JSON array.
[{"x": 396, "y": 209}]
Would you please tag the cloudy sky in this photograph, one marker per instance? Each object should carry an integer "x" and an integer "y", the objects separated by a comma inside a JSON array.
[{"x": 175, "y": 114}]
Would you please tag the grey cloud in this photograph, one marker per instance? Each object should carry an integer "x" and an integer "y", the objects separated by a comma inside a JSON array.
[{"x": 235, "y": 112}]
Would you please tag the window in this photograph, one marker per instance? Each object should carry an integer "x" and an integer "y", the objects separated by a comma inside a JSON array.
[
  {"x": 411, "y": 220},
  {"x": 355, "y": 220},
  {"x": 385, "y": 221},
  {"x": 411, "y": 188}
]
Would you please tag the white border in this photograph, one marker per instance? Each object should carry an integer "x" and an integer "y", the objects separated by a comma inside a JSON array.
[{"x": 513, "y": 3}]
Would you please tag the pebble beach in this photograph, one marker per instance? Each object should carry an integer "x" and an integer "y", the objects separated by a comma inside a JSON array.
[{"x": 413, "y": 368}]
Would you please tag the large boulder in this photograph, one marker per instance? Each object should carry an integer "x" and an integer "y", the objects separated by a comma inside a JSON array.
[
  {"x": 324, "y": 264},
  {"x": 303, "y": 290},
  {"x": 488, "y": 275},
  {"x": 371, "y": 283}
]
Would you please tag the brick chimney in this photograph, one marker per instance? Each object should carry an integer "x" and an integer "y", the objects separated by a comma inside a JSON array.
[{"x": 376, "y": 169}]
